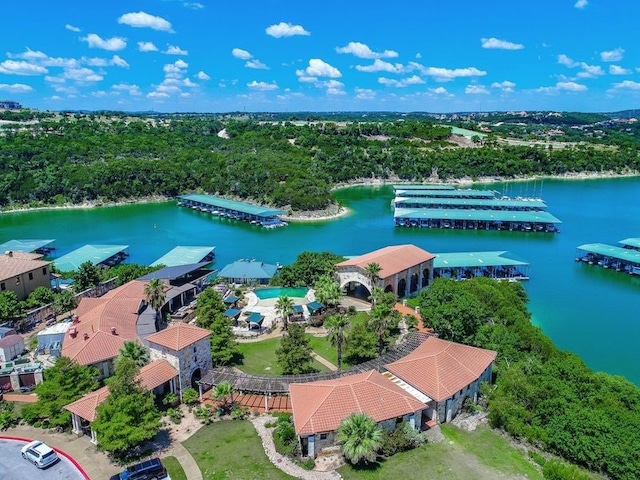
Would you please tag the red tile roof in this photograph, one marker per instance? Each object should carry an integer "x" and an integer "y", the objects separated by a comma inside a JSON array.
[
  {"x": 104, "y": 324},
  {"x": 178, "y": 336},
  {"x": 151, "y": 376},
  {"x": 439, "y": 368},
  {"x": 321, "y": 406},
  {"x": 392, "y": 260}
]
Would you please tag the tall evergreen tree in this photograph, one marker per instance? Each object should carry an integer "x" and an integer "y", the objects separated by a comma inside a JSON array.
[
  {"x": 224, "y": 348},
  {"x": 294, "y": 352}
]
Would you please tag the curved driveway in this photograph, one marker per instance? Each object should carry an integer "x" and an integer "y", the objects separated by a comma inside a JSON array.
[{"x": 14, "y": 467}]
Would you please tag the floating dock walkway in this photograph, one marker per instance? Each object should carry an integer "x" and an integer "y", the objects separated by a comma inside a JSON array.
[
  {"x": 433, "y": 206},
  {"x": 499, "y": 265},
  {"x": 622, "y": 259},
  {"x": 246, "y": 212}
]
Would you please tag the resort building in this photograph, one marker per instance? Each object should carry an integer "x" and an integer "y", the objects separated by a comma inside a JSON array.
[
  {"x": 319, "y": 407},
  {"x": 446, "y": 372},
  {"x": 248, "y": 271},
  {"x": 23, "y": 272},
  {"x": 158, "y": 377},
  {"x": 187, "y": 349},
  {"x": 404, "y": 270}
]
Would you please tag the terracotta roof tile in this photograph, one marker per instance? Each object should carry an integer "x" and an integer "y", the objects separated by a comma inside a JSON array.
[
  {"x": 178, "y": 336},
  {"x": 321, "y": 406},
  {"x": 151, "y": 376},
  {"x": 97, "y": 347},
  {"x": 439, "y": 368},
  {"x": 392, "y": 259}
]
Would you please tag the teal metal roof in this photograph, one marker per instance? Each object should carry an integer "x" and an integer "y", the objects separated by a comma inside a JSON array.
[
  {"x": 471, "y": 202},
  {"x": 28, "y": 245},
  {"x": 247, "y": 208},
  {"x": 89, "y": 253},
  {"x": 631, "y": 242},
  {"x": 232, "y": 312},
  {"x": 183, "y": 255},
  {"x": 313, "y": 306},
  {"x": 466, "y": 133},
  {"x": 255, "y": 318},
  {"x": 248, "y": 269},
  {"x": 620, "y": 253},
  {"x": 467, "y": 193},
  {"x": 476, "y": 259},
  {"x": 423, "y": 187},
  {"x": 477, "y": 215}
]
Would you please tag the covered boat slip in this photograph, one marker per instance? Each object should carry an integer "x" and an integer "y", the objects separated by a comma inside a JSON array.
[
  {"x": 247, "y": 212},
  {"x": 104, "y": 255},
  {"x": 448, "y": 193},
  {"x": 476, "y": 204},
  {"x": 499, "y": 265},
  {"x": 476, "y": 219},
  {"x": 185, "y": 255},
  {"x": 30, "y": 245},
  {"x": 609, "y": 256},
  {"x": 631, "y": 243}
]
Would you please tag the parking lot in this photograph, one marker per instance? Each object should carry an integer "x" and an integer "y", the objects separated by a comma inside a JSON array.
[{"x": 14, "y": 467}]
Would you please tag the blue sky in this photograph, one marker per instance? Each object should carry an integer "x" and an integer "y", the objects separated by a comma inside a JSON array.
[{"x": 348, "y": 55}]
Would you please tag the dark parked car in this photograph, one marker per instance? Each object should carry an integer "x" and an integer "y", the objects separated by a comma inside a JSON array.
[{"x": 147, "y": 470}]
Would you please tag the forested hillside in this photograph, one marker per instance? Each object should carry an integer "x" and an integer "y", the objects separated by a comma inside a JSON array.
[{"x": 77, "y": 158}]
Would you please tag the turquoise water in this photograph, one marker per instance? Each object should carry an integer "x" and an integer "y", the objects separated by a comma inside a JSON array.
[
  {"x": 585, "y": 309},
  {"x": 265, "y": 293}
]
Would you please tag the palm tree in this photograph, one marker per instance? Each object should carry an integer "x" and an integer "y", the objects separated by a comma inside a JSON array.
[
  {"x": 373, "y": 273},
  {"x": 136, "y": 352},
  {"x": 360, "y": 438},
  {"x": 337, "y": 326},
  {"x": 224, "y": 393},
  {"x": 284, "y": 307},
  {"x": 154, "y": 294},
  {"x": 327, "y": 290}
]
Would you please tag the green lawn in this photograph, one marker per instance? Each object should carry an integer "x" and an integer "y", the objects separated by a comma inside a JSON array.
[
  {"x": 322, "y": 347},
  {"x": 481, "y": 455},
  {"x": 231, "y": 449},
  {"x": 174, "y": 469},
  {"x": 260, "y": 358}
]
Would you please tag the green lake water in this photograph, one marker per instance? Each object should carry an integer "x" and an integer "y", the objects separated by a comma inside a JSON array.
[{"x": 585, "y": 309}]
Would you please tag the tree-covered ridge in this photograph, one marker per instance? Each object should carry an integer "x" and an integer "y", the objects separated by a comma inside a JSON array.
[{"x": 97, "y": 158}]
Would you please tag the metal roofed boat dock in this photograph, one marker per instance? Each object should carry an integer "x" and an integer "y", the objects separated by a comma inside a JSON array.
[
  {"x": 499, "y": 265},
  {"x": 621, "y": 259},
  {"x": 30, "y": 245},
  {"x": 104, "y": 255},
  {"x": 247, "y": 212},
  {"x": 186, "y": 255},
  {"x": 476, "y": 203}
]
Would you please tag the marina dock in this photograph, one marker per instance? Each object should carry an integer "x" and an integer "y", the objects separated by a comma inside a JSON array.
[
  {"x": 246, "y": 212},
  {"x": 30, "y": 245},
  {"x": 430, "y": 207},
  {"x": 102, "y": 255},
  {"x": 186, "y": 255},
  {"x": 622, "y": 259},
  {"x": 499, "y": 265}
]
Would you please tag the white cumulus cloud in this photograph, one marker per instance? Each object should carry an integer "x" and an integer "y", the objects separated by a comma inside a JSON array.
[
  {"x": 476, "y": 90},
  {"x": 13, "y": 67},
  {"x": 500, "y": 44},
  {"x": 175, "y": 50},
  {"x": 365, "y": 94},
  {"x": 628, "y": 85},
  {"x": 381, "y": 66},
  {"x": 111, "y": 44},
  {"x": 581, "y": 4},
  {"x": 618, "y": 70},
  {"x": 447, "y": 74},
  {"x": 284, "y": 29},
  {"x": 439, "y": 91},
  {"x": 361, "y": 50},
  {"x": 133, "y": 90},
  {"x": 257, "y": 64},
  {"x": 590, "y": 71},
  {"x": 15, "y": 88},
  {"x": 241, "y": 54},
  {"x": 71, "y": 28},
  {"x": 145, "y": 20},
  {"x": 147, "y": 47},
  {"x": 319, "y": 68},
  {"x": 614, "y": 55},
  {"x": 262, "y": 86},
  {"x": 566, "y": 61},
  {"x": 202, "y": 76},
  {"x": 413, "y": 80}
]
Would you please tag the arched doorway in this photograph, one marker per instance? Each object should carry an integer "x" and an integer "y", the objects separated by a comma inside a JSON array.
[
  {"x": 414, "y": 283},
  {"x": 388, "y": 289},
  {"x": 402, "y": 288},
  {"x": 425, "y": 277},
  {"x": 195, "y": 378}
]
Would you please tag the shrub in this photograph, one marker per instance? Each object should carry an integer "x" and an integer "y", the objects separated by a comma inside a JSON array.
[
  {"x": 175, "y": 414},
  {"x": 308, "y": 463},
  {"x": 190, "y": 396},
  {"x": 538, "y": 458},
  {"x": 284, "y": 436},
  {"x": 403, "y": 438},
  {"x": 557, "y": 470},
  {"x": 203, "y": 413},
  {"x": 170, "y": 399},
  {"x": 239, "y": 413}
]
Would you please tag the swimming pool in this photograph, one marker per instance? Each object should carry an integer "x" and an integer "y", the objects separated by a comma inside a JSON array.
[{"x": 298, "y": 292}]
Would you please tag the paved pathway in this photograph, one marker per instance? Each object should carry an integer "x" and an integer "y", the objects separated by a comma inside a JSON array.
[
  {"x": 189, "y": 465},
  {"x": 324, "y": 361},
  {"x": 282, "y": 462}
]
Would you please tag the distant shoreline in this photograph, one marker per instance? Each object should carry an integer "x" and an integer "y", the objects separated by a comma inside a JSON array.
[{"x": 337, "y": 211}]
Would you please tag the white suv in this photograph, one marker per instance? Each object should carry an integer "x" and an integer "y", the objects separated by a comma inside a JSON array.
[{"x": 40, "y": 454}]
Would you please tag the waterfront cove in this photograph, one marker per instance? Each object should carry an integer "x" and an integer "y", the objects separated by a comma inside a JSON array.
[{"x": 583, "y": 308}]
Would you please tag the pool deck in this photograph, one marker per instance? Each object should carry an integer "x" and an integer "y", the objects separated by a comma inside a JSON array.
[{"x": 267, "y": 308}]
